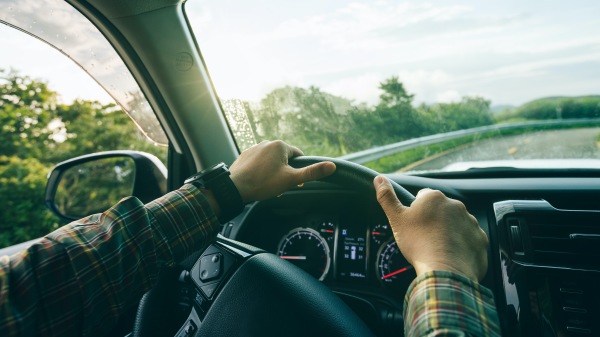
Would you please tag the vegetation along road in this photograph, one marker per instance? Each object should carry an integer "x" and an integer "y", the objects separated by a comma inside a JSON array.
[{"x": 554, "y": 144}]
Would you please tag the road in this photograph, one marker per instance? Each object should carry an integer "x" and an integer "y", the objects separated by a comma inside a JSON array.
[{"x": 554, "y": 144}]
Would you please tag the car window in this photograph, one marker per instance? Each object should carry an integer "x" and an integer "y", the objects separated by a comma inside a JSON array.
[
  {"x": 51, "y": 110},
  {"x": 410, "y": 86}
]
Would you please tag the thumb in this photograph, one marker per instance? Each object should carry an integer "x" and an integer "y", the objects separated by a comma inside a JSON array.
[
  {"x": 314, "y": 172},
  {"x": 387, "y": 197}
]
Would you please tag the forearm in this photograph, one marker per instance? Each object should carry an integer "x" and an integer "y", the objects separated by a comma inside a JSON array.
[
  {"x": 80, "y": 278},
  {"x": 442, "y": 303}
]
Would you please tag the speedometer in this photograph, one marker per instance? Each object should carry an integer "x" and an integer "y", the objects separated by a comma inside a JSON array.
[
  {"x": 393, "y": 270},
  {"x": 307, "y": 249}
]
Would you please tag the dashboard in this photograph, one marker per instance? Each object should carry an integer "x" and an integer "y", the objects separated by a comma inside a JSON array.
[
  {"x": 336, "y": 236},
  {"x": 343, "y": 239}
]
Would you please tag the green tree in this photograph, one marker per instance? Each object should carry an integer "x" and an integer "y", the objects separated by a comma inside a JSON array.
[
  {"x": 90, "y": 126},
  {"x": 309, "y": 118},
  {"x": 393, "y": 119},
  {"x": 555, "y": 108},
  {"x": 24, "y": 215},
  {"x": 37, "y": 132},
  {"x": 470, "y": 112},
  {"x": 27, "y": 107}
]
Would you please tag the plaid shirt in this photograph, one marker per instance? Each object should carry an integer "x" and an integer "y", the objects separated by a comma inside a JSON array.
[
  {"x": 441, "y": 303},
  {"x": 79, "y": 279}
]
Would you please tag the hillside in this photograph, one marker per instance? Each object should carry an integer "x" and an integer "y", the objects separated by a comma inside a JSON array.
[{"x": 559, "y": 107}]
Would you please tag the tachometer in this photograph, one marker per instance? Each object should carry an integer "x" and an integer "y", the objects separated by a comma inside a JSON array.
[
  {"x": 393, "y": 270},
  {"x": 307, "y": 249}
]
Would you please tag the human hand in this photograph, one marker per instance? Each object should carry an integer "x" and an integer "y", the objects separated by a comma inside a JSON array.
[
  {"x": 435, "y": 232},
  {"x": 262, "y": 171}
]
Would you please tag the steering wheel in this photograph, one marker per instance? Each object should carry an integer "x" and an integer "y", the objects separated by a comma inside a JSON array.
[{"x": 239, "y": 290}]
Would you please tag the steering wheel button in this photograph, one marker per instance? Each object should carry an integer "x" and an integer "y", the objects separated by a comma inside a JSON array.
[
  {"x": 210, "y": 267},
  {"x": 187, "y": 330},
  {"x": 209, "y": 289}
]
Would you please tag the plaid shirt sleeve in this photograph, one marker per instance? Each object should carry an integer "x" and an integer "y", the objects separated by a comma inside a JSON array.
[
  {"x": 79, "y": 279},
  {"x": 442, "y": 303}
]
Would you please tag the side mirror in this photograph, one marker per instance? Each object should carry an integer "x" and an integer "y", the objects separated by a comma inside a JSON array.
[{"x": 93, "y": 183}]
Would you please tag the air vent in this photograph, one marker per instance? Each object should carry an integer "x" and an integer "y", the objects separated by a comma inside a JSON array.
[
  {"x": 536, "y": 233},
  {"x": 569, "y": 243}
]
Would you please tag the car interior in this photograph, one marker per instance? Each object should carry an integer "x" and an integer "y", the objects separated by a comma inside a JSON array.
[{"x": 319, "y": 259}]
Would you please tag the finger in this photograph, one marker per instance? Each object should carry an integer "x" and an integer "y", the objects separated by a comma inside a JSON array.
[
  {"x": 387, "y": 197},
  {"x": 473, "y": 219},
  {"x": 294, "y": 152},
  {"x": 422, "y": 191},
  {"x": 313, "y": 172}
]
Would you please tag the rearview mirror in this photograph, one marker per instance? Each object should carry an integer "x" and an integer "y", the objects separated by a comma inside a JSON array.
[{"x": 93, "y": 183}]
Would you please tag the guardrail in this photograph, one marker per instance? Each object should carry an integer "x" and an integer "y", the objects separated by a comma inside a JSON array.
[{"x": 390, "y": 149}]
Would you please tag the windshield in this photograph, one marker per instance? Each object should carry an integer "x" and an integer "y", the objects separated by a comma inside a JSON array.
[{"x": 410, "y": 86}]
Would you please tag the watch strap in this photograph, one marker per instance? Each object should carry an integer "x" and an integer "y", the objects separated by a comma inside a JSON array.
[{"x": 217, "y": 179}]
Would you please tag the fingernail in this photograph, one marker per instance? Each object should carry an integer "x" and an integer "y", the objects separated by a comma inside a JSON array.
[
  {"x": 378, "y": 181},
  {"x": 330, "y": 166}
]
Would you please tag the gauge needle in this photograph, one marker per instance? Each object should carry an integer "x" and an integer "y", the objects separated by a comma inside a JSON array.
[
  {"x": 397, "y": 272},
  {"x": 293, "y": 257}
]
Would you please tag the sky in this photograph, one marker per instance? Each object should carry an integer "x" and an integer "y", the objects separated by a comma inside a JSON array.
[
  {"x": 38, "y": 60},
  {"x": 509, "y": 52}
]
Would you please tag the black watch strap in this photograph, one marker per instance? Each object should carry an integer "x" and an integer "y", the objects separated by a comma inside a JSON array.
[{"x": 217, "y": 180}]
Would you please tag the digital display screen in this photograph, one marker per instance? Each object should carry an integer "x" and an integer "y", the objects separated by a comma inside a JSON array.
[{"x": 352, "y": 254}]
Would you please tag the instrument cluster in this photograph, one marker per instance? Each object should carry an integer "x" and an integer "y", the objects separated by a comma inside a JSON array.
[
  {"x": 348, "y": 253},
  {"x": 340, "y": 238}
]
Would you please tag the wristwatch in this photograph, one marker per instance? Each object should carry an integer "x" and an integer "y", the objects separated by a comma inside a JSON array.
[{"x": 217, "y": 180}]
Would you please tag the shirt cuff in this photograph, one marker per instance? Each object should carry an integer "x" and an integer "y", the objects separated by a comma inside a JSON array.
[
  {"x": 184, "y": 221},
  {"x": 442, "y": 303}
]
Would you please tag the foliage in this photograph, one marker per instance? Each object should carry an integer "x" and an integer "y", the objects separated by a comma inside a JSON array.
[
  {"x": 26, "y": 109},
  {"x": 311, "y": 118},
  {"x": 24, "y": 215},
  {"x": 392, "y": 120},
  {"x": 324, "y": 124},
  {"x": 555, "y": 108},
  {"x": 37, "y": 132},
  {"x": 470, "y": 112}
]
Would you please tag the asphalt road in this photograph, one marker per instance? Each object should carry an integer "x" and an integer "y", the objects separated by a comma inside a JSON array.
[{"x": 554, "y": 144}]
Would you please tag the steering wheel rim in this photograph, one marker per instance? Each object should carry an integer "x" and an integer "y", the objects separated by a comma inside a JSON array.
[
  {"x": 352, "y": 175},
  {"x": 258, "y": 293}
]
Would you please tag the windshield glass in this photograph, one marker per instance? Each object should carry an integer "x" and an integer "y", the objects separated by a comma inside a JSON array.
[{"x": 410, "y": 86}]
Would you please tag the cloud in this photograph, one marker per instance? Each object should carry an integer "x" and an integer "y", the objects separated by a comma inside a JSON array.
[
  {"x": 362, "y": 88},
  {"x": 365, "y": 25},
  {"x": 437, "y": 49},
  {"x": 448, "y": 96}
]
